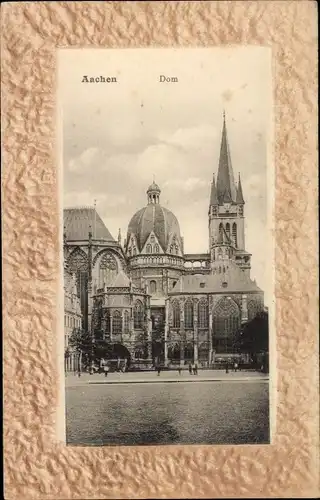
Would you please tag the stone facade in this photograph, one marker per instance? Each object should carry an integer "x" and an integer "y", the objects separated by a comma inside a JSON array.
[
  {"x": 72, "y": 316},
  {"x": 191, "y": 306}
]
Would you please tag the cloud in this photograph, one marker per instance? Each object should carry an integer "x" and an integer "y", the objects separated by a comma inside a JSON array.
[{"x": 89, "y": 158}]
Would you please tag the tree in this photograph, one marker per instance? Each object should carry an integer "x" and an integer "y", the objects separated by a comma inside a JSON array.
[
  {"x": 81, "y": 341},
  {"x": 253, "y": 337}
]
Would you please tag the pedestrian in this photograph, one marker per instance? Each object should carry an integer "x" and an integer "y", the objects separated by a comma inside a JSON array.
[
  {"x": 235, "y": 366},
  {"x": 190, "y": 369},
  {"x": 106, "y": 370},
  {"x": 196, "y": 369},
  {"x": 179, "y": 370},
  {"x": 159, "y": 370},
  {"x": 227, "y": 367}
]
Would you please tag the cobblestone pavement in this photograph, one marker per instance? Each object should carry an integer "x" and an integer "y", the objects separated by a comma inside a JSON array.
[{"x": 165, "y": 376}]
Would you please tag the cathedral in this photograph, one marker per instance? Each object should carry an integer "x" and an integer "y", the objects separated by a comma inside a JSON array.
[{"x": 150, "y": 299}]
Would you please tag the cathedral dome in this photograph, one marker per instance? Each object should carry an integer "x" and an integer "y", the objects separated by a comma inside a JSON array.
[{"x": 154, "y": 218}]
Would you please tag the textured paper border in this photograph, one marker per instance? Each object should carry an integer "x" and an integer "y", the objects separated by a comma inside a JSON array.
[{"x": 36, "y": 465}]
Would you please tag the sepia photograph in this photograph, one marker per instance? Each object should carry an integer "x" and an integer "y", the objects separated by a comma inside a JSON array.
[{"x": 166, "y": 210}]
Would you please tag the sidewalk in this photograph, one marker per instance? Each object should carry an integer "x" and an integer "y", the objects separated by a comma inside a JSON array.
[{"x": 164, "y": 377}]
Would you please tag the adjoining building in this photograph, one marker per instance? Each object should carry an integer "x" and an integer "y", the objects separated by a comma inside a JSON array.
[
  {"x": 152, "y": 298},
  {"x": 72, "y": 317}
]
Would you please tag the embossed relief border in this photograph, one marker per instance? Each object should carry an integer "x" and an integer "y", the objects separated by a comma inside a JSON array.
[{"x": 36, "y": 465}]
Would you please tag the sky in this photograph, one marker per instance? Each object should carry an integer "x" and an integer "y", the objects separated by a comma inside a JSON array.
[{"x": 117, "y": 137}]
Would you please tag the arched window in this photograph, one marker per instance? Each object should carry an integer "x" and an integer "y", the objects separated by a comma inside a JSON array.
[
  {"x": 253, "y": 309},
  {"x": 116, "y": 322},
  {"x": 228, "y": 229},
  {"x": 156, "y": 249},
  {"x": 126, "y": 322},
  {"x": 138, "y": 314},
  {"x": 175, "y": 315},
  {"x": 108, "y": 268},
  {"x": 219, "y": 254},
  {"x": 234, "y": 234},
  {"x": 226, "y": 322},
  {"x": 149, "y": 249},
  {"x": 188, "y": 314},
  {"x": 107, "y": 321},
  {"x": 171, "y": 249},
  {"x": 203, "y": 314},
  {"x": 220, "y": 232},
  {"x": 134, "y": 251},
  {"x": 153, "y": 286}
]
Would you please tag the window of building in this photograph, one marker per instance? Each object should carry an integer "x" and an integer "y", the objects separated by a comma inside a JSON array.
[
  {"x": 108, "y": 268},
  {"x": 176, "y": 314},
  {"x": 226, "y": 318},
  {"x": 116, "y": 322},
  {"x": 234, "y": 234},
  {"x": 156, "y": 249},
  {"x": 138, "y": 314},
  {"x": 134, "y": 251},
  {"x": 107, "y": 321},
  {"x": 188, "y": 314},
  {"x": 220, "y": 232},
  {"x": 153, "y": 286},
  {"x": 149, "y": 248},
  {"x": 203, "y": 314},
  {"x": 228, "y": 229},
  {"x": 126, "y": 322}
]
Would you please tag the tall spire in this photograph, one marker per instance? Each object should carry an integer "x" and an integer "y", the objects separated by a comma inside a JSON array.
[
  {"x": 240, "y": 199},
  {"x": 213, "y": 196},
  {"x": 225, "y": 182}
]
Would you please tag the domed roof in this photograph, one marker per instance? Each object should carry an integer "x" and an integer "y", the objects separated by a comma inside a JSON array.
[
  {"x": 154, "y": 187},
  {"x": 154, "y": 218},
  {"x": 79, "y": 221}
]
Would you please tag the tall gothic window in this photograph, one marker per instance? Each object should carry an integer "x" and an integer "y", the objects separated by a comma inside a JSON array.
[
  {"x": 176, "y": 314},
  {"x": 126, "y": 322},
  {"x": 234, "y": 234},
  {"x": 228, "y": 229},
  {"x": 220, "y": 232},
  {"x": 108, "y": 268},
  {"x": 156, "y": 249},
  {"x": 226, "y": 318},
  {"x": 219, "y": 254},
  {"x": 153, "y": 286},
  {"x": 116, "y": 322},
  {"x": 149, "y": 248},
  {"x": 203, "y": 314},
  {"x": 253, "y": 309},
  {"x": 188, "y": 314},
  {"x": 138, "y": 314},
  {"x": 78, "y": 264},
  {"x": 107, "y": 321}
]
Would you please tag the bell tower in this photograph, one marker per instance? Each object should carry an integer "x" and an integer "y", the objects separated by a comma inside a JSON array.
[{"x": 226, "y": 210}]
